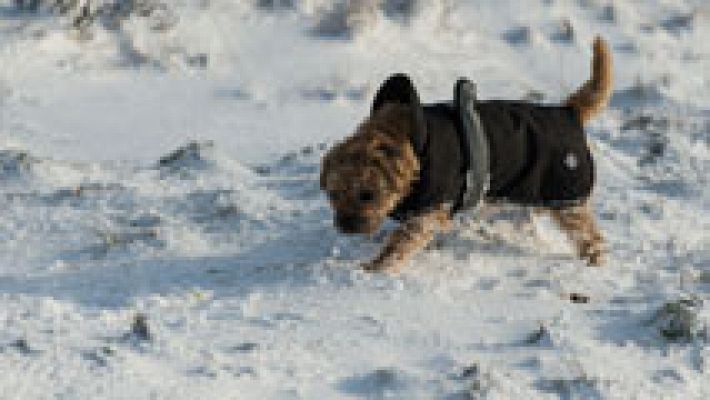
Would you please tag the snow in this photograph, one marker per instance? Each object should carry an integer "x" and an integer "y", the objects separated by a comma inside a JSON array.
[{"x": 172, "y": 175}]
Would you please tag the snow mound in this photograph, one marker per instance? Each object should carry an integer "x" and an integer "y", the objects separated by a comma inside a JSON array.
[
  {"x": 197, "y": 157},
  {"x": 15, "y": 163},
  {"x": 638, "y": 95}
]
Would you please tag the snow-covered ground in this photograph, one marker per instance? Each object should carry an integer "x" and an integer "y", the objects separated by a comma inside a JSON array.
[{"x": 163, "y": 236}]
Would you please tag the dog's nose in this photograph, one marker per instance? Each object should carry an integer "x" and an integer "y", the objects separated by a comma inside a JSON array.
[{"x": 350, "y": 223}]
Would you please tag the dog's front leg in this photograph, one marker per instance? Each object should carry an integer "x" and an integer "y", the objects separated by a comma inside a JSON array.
[{"x": 411, "y": 237}]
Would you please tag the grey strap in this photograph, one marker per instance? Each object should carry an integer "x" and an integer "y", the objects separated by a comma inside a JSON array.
[{"x": 475, "y": 145}]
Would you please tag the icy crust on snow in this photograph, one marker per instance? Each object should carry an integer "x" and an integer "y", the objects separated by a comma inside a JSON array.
[{"x": 163, "y": 234}]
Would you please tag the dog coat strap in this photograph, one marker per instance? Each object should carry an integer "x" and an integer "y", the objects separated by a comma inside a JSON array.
[
  {"x": 399, "y": 89},
  {"x": 474, "y": 145}
]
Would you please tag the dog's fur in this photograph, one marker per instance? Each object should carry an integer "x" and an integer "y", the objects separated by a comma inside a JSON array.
[{"x": 369, "y": 173}]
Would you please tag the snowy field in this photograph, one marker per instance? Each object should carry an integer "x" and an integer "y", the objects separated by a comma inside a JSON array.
[{"x": 163, "y": 236}]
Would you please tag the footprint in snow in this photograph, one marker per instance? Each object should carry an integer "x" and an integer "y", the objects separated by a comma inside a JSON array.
[{"x": 380, "y": 383}]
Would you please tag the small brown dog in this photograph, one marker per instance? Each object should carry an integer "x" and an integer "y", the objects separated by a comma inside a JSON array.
[{"x": 414, "y": 163}]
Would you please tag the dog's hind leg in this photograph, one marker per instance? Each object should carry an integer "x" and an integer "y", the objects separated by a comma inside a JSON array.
[
  {"x": 580, "y": 225},
  {"x": 408, "y": 239}
]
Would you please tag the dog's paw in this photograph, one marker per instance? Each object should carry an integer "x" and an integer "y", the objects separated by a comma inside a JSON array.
[
  {"x": 379, "y": 265},
  {"x": 596, "y": 259},
  {"x": 373, "y": 266},
  {"x": 594, "y": 253}
]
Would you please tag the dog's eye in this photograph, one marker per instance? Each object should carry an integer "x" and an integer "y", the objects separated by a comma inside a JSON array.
[
  {"x": 366, "y": 196},
  {"x": 388, "y": 151}
]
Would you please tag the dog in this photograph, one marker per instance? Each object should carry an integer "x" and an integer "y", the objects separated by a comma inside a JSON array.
[{"x": 421, "y": 164}]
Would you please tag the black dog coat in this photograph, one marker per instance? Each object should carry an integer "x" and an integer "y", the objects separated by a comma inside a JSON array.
[{"x": 501, "y": 150}]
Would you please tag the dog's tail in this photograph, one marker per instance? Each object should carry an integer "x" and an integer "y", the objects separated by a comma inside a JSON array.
[{"x": 594, "y": 94}]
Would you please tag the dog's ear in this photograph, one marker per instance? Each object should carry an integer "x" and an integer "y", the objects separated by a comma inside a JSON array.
[{"x": 399, "y": 89}]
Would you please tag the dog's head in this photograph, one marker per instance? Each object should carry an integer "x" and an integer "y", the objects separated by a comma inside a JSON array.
[{"x": 368, "y": 174}]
